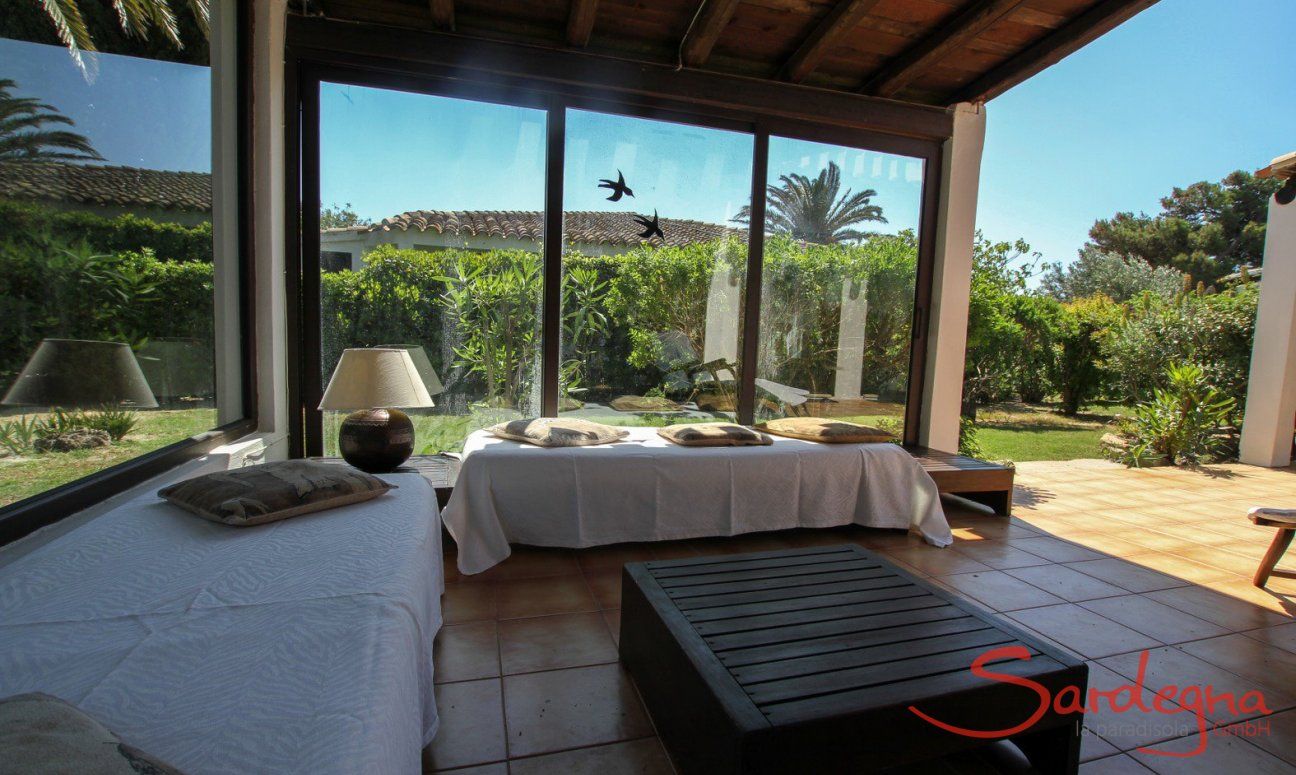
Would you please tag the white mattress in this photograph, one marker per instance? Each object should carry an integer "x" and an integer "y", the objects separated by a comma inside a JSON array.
[
  {"x": 647, "y": 489},
  {"x": 298, "y": 646}
]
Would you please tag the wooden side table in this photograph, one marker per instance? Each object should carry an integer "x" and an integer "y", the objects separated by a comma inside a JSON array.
[
  {"x": 440, "y": 470},
  {"x": 1285, "y": 521}
]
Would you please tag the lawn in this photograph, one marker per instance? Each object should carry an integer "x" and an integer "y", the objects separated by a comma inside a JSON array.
[
  {"x": 32, "y": 473},
  {"x": 1022, "y": 432}
]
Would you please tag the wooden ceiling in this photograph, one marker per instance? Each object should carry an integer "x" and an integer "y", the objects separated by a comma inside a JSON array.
[{"x": 933, "y": 52}]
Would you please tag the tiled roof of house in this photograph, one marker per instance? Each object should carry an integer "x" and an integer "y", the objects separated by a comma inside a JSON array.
[
  {"x": 106, "y": 185},
  {"x": 586, "y": 227}
]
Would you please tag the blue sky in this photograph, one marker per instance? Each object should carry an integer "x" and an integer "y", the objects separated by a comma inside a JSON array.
[{"x": 1188, "y": 90}]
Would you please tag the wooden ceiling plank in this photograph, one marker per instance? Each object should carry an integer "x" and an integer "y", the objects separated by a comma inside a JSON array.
[
  {"x": 443, "y": 16},
  {"x": 706, "y": 30},
  {"x": 948, "y": 37},
  {"x": 1049, "y": 50},
  {"x": 580, "y": 22},
  {"x": 844, "y": 17}
]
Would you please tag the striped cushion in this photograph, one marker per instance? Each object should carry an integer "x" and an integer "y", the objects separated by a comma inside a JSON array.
[
  {"x": 826, "y": 430},
  {"x": 558, "y": 432},
  {"x": 713, "y": 434}
]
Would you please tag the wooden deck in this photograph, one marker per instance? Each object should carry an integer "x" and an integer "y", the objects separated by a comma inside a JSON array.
[{"x": 990, "y": 484}]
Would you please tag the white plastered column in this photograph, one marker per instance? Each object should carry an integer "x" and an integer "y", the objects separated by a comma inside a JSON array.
[
  {"x": 268, "y": 31},
  {"x": 951, "y": 282},
  {"x": 1271, "y": 390}
]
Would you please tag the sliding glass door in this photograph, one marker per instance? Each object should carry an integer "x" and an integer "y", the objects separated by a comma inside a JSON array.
[
  {"x": 432, "y": 216},
  {"x": 431, "y": 234}
]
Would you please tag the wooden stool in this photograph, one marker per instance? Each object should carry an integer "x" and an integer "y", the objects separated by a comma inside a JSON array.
[{"x": 1285, "y": 521}]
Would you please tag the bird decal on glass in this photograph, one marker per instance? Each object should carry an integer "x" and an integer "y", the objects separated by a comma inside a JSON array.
[
  {"x": 618, "y": 187},
  {"x": 651, "y": 227}
]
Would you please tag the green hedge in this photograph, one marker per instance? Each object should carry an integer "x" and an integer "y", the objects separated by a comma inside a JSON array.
[{"x": 35, "y": 224}]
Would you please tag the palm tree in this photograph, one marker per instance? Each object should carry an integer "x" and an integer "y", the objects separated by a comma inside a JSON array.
[
  {"x": 24, "y": 135},
  {"x": 136, "y": 17},
  {"x": 811, "y": 210}
]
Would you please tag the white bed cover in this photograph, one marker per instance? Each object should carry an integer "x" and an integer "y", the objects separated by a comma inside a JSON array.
[
  {"x": 298, "y": 646},
  {"x": 645, "y": 488}
]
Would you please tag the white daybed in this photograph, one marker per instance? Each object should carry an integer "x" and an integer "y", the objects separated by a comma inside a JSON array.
[
  {"x": 647, "y": 489},
  {"x": 298, "y": 646}
]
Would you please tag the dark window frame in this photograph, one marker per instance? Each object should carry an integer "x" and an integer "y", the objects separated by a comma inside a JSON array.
[
  {"x": 23, "y": 517},
  {"x": 312, "y": 58}
]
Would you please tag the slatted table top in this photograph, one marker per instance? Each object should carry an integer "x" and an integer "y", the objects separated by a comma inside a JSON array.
[{"x": 819, "y": 632}]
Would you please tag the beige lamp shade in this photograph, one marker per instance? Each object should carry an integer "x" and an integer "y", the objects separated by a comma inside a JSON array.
[
  {"x": 373, "y": 378},
  {"x": 420, "y": 357},
  {"x": 81, "y": 374}
]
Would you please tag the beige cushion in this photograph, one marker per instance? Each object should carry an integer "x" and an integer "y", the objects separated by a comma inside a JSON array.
[
  {"x": 824, "y": 429},
  {"x": 43, "y": 734},
  {"x": 643, "y": 404},
  {"x": 558, "y": 432},
  {"x": 713, "y": 434},
  {"x": 273, "y": 491}
]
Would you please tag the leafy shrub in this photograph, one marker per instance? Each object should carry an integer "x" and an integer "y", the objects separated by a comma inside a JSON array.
[
  {"x": 18, "y": 435},
  {"x": 1182, "y": 422},
  {"x": 117, "y": 423},
  {"x": 1078, "y": 369},
  {"x": 41, "y": 226}
]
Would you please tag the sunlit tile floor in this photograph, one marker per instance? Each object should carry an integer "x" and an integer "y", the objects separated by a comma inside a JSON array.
[{"x": 1103, "y": 561}]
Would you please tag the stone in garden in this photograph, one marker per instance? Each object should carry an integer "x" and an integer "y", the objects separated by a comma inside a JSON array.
[{"x": 67, "y": 441}]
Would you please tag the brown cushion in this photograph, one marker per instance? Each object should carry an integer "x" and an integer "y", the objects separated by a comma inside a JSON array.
[
  {"x": 273, "y": 491},
  {"x": 643, "y": 404},
  {"x": 824, "y": 429},
  {"x": 43, "y": 734},
  {"x": 713, "y": 434},
  {"x": 558, "y": 432}
]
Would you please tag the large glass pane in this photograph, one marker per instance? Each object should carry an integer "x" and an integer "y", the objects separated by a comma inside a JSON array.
[
  {"x": 431, "y": 238},
  {"x": 108, "y": 271},
  {"x": 654, "y": 269},
  {"x": 841, "y": 256}
]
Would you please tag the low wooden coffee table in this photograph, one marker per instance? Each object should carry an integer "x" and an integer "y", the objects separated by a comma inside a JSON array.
[{"x": 808, "y": 660}]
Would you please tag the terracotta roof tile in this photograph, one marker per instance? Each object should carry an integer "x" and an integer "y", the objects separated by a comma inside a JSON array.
[
  {"x": 586, "y": 227},
  {"x": 106, "y": 185}
]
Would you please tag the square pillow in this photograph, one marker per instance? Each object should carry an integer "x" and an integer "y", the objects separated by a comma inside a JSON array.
[
  {"x": 273, "y": 491},
  {"x": 713, "y": 434},
  {"x": 43, "y": 734},
  {"x": 558, "y": 432},
  {"x": 825, "y": 430}
]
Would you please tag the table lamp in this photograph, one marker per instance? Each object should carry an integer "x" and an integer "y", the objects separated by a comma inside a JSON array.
[
  {"x": 420, "y": 357},
  {"x": 378, "y": 436},
  {"x": 81, "y": 374}
]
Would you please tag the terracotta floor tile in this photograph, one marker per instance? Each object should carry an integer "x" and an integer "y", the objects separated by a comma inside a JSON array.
[
  {"x": 1000, "y": 591},
  {"x": 472, "y": 725},
  {"x": 1108, "y": 544},
  {"x": 544, "y": 596},
  {"x": 613, "y": 557},
  {"x": 497, "y": 768},
  {"x": 1157, "y": 541},
  {"x": 1127, "y": 574},
  {"x": 553, "y": 642},
  {"x": 1221, "y": 558},
  {"x": 527, "y": 562},
  {"x": 1270, "y": 598},
  {"x": 606, "y": 586},
  {"x": 1266, "y": 665},
  {"x": 673, "y": 550},
  {"x": 465, "y": 652},
  {"x": 936, "y": 562},
  {"x": 998, "y": 554},
  {"x": 1083, "y": 631},
  {"x": 1279, "y": 739},
  {"x": 637, "y": 757},
  {"x": 1065, "y": 583},
  {"x": 1171, "y": 665},
  {"x": 1283, "y": 636},
  {"x": 1113, "y": 765},
  {"x": 1130, "y": 728},
  {"x": 1179, "y": 567},
  {"x": 613, "y": 619},
  {"x": 1056, "y": 550},
  {"x": 1157, "y": 620},
  {"x": 1094, "y": 747},
  {"x": 561, "y": 709},
  {"x": 1223, "y": 754},
  {"x": 463, "y": 602},
  {"x": 995, "y": 528},
  {"x": 1219, "y": 608}
]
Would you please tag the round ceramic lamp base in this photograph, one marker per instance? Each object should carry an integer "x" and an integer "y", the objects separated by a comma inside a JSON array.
[{"x": 376, "y": 440}]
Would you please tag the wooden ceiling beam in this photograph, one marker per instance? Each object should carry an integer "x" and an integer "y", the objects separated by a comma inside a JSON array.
[
  {"x": 844, "y": 17},
  {"x": 962, "y": 27},
  {"x": 442, "y": 14},
  {"x": 1051, "y": 49},
  {"x": 580, "y": 22},
  {"x": 710, "y": 22}
]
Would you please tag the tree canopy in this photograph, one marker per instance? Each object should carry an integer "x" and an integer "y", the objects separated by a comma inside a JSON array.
[
  {"x": 813, "y": 211},
  {"x": 27, "y": 133},
  {"x": 1206, "y": 230},
  {"x": 1118, "y": 277}
]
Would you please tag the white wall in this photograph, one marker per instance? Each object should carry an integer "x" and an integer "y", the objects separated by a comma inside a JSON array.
[
  {"x": 1271, "y": 390},
  {"x": 955, "y": 236}
]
